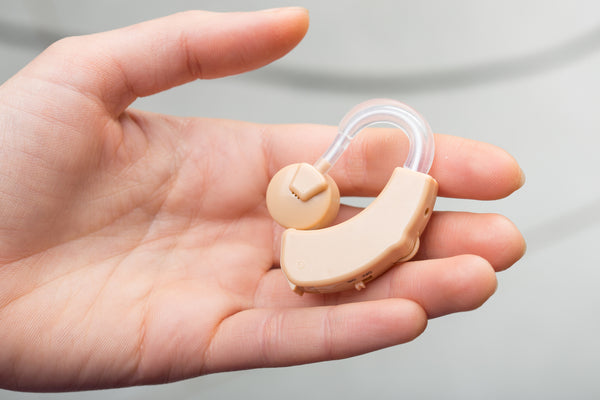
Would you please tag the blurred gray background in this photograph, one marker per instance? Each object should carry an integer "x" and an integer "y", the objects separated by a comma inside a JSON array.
[{"x": 521, "y": 74}]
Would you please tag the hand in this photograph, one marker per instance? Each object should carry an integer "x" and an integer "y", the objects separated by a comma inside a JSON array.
[{"x": 136, "y": 248}]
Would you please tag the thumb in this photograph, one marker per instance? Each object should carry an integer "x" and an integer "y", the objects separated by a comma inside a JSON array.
[{"x": 120, "y": 65}]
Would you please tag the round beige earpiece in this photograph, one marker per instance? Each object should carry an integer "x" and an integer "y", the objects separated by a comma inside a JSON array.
[{"x": 299, "y": 196}]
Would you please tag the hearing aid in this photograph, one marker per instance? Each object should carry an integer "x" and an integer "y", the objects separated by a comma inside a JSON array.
[{"x": 319, "y": 258}]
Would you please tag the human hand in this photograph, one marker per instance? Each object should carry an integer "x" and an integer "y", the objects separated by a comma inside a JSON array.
[{"x": 136, "y": 248}]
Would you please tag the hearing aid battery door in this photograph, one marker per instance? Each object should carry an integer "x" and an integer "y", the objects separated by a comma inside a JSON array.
[{"x": 348, "y": 255}]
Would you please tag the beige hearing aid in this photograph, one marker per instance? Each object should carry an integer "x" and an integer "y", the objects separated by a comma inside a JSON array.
[{"x": 319, "y": 258}]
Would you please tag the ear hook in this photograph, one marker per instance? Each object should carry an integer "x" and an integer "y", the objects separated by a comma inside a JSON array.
[
  {"x": 421, "y": 143},
  {"x": 304, "y": 196}
]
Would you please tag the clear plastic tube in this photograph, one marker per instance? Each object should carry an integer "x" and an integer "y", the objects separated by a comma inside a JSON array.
[{"x": 420, "y": 137}]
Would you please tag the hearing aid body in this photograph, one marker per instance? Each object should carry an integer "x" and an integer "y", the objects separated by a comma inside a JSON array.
[{"x": 348, "y": 255}]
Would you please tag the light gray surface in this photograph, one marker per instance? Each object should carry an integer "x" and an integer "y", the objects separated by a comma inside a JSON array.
[{"x": 523, "y": 75}]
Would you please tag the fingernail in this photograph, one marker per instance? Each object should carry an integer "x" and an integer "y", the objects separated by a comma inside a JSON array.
[
  {"x": 279, "y": 9},
  {"x": 522, "y": 179}
]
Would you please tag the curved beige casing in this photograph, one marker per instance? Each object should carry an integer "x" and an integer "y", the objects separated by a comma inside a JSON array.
[{"x": 349, "y": 254}]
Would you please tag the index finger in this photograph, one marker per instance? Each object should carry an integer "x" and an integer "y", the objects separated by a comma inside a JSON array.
[
  {"x": 464, "y": 168},
  {"x": 118, "y": 66}
]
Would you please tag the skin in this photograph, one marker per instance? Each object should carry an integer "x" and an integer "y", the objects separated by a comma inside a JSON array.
[{"x": 136, "y": 248}]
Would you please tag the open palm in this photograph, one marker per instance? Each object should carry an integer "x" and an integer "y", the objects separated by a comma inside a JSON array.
[{"x": 136, "y": 248}]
